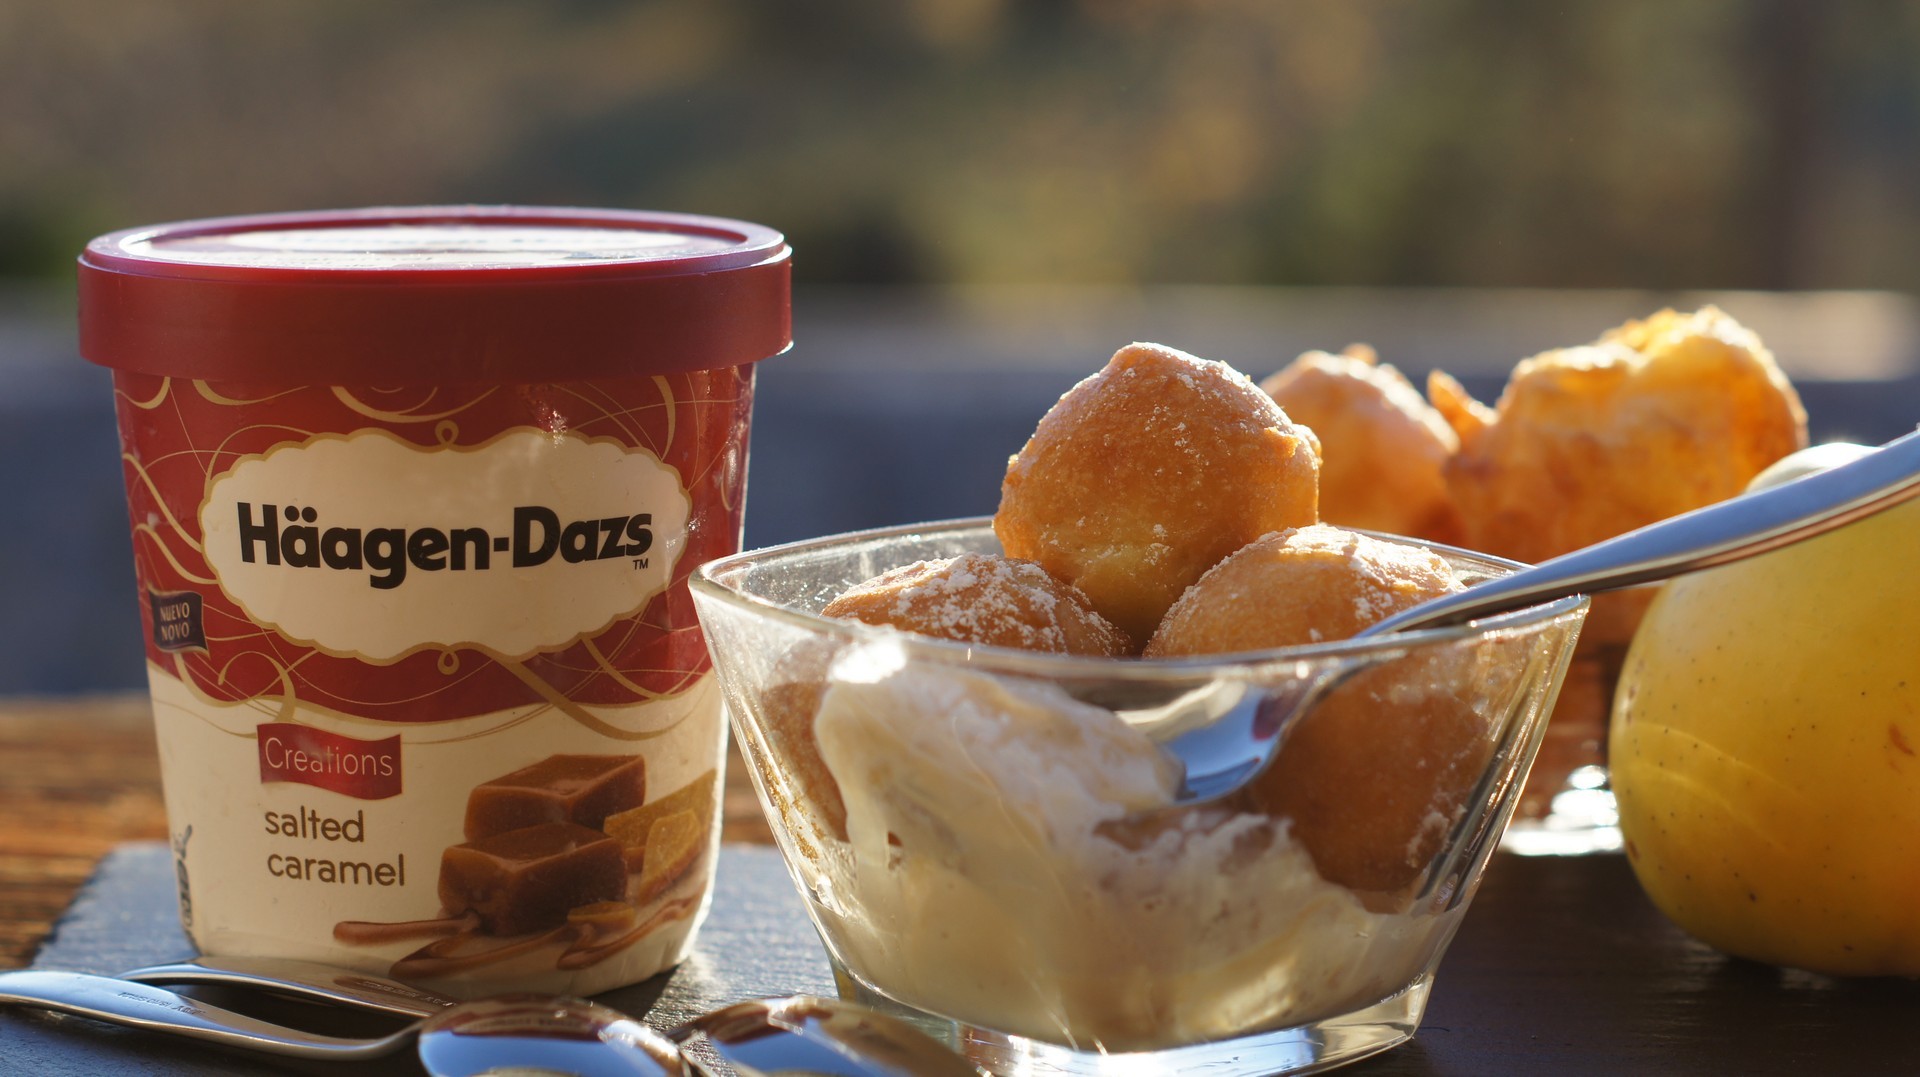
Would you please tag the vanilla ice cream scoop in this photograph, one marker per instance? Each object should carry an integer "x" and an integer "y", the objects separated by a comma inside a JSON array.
[{"x": 992, "y": 871}]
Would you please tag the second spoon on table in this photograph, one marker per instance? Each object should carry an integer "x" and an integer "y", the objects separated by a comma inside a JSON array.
[{"x": 455, "y": 1039}]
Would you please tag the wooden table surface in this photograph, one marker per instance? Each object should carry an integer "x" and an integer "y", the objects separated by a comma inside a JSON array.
[
  {"x": 1562, "y": 966},
  {"x": 77, "y": 777}
]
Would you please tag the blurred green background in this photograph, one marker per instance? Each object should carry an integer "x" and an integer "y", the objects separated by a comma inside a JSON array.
[
  {"x": 986, "y": 198},
  {"x": 1767, "y": 144}
]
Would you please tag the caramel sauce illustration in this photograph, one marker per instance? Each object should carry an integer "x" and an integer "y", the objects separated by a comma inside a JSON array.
[{"x": 566, "y": 854}]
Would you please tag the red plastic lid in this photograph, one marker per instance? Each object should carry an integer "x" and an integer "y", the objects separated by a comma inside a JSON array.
[{"x": 435, "y": 294}]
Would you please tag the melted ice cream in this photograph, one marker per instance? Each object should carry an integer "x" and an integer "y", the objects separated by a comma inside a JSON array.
[{"x": 1000, "y": 873}]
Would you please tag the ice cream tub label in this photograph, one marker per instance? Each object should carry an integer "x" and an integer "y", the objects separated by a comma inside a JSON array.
[{"x": 414, "y": 497}]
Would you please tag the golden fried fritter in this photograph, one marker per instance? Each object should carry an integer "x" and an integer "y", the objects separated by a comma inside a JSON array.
[
  {"x": 1146, "y": 474},
  {"x": 980, "y": 598},
  {"x": 1374, "y": 775},
  {"x": 1657, "y": 418},
  {"x": 1383, "y": 447},
  {"x": 1305, "y": 585}
]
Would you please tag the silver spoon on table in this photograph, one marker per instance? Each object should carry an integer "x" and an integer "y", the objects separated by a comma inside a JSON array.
[
  {"x": 797, "y": 1032},
  {"x": 309, "y": 980},
  {"x": 156, "y": 1009},
  {"x": 461, "y": 1039},
  {"x": 552, "y": 1035},
  {"x": 1224, "y": 752}
]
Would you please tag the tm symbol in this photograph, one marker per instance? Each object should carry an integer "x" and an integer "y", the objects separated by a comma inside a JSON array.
[{"x": 639, "y": 562}]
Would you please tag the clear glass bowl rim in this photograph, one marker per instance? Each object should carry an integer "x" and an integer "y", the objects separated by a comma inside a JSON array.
[{"x": 710, "y": 580}]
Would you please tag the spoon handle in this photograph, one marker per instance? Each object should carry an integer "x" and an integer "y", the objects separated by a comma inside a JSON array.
[
  {"x": 155, "y": 1009},
  {"x": 301, "y": 979},
  {"x": 1739, "y": 527}
]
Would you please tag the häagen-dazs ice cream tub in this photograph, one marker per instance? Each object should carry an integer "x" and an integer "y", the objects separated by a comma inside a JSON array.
[{"x": 414, "y": 496}]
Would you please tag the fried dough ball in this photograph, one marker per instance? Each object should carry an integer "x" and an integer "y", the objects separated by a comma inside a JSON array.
[
  {"x": 1383, "y": 447},
  {"x": 1305, "y": 585},
  {"x": 1659, "y": 417},
  {"x": 1457, "y": 407},
  {"x": 1376, "y": 773},
  {"x": 1146, "y": 474},
  {"x": 1375, "y": 776},
  {"x": 980, "y": 598}
]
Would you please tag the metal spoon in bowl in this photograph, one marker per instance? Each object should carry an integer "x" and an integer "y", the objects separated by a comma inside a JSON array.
[{"x": 1224, "y": 755}]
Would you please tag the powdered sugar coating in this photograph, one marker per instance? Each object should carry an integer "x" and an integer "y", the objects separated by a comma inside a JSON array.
[
  {"x": 1144, "y": 475},
  {"x": 980, "y": 598}
]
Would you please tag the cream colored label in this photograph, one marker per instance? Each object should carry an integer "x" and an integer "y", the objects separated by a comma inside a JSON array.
[
  {"x": 285, "y": 869},
  {"x": 370, "y": 546}
]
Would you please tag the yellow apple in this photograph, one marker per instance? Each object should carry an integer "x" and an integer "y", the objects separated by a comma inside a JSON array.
[{"x": 1764, "y": 747}]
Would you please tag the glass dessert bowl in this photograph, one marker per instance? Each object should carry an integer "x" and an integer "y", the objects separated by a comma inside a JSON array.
[{"x": 984, "y": 841}]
